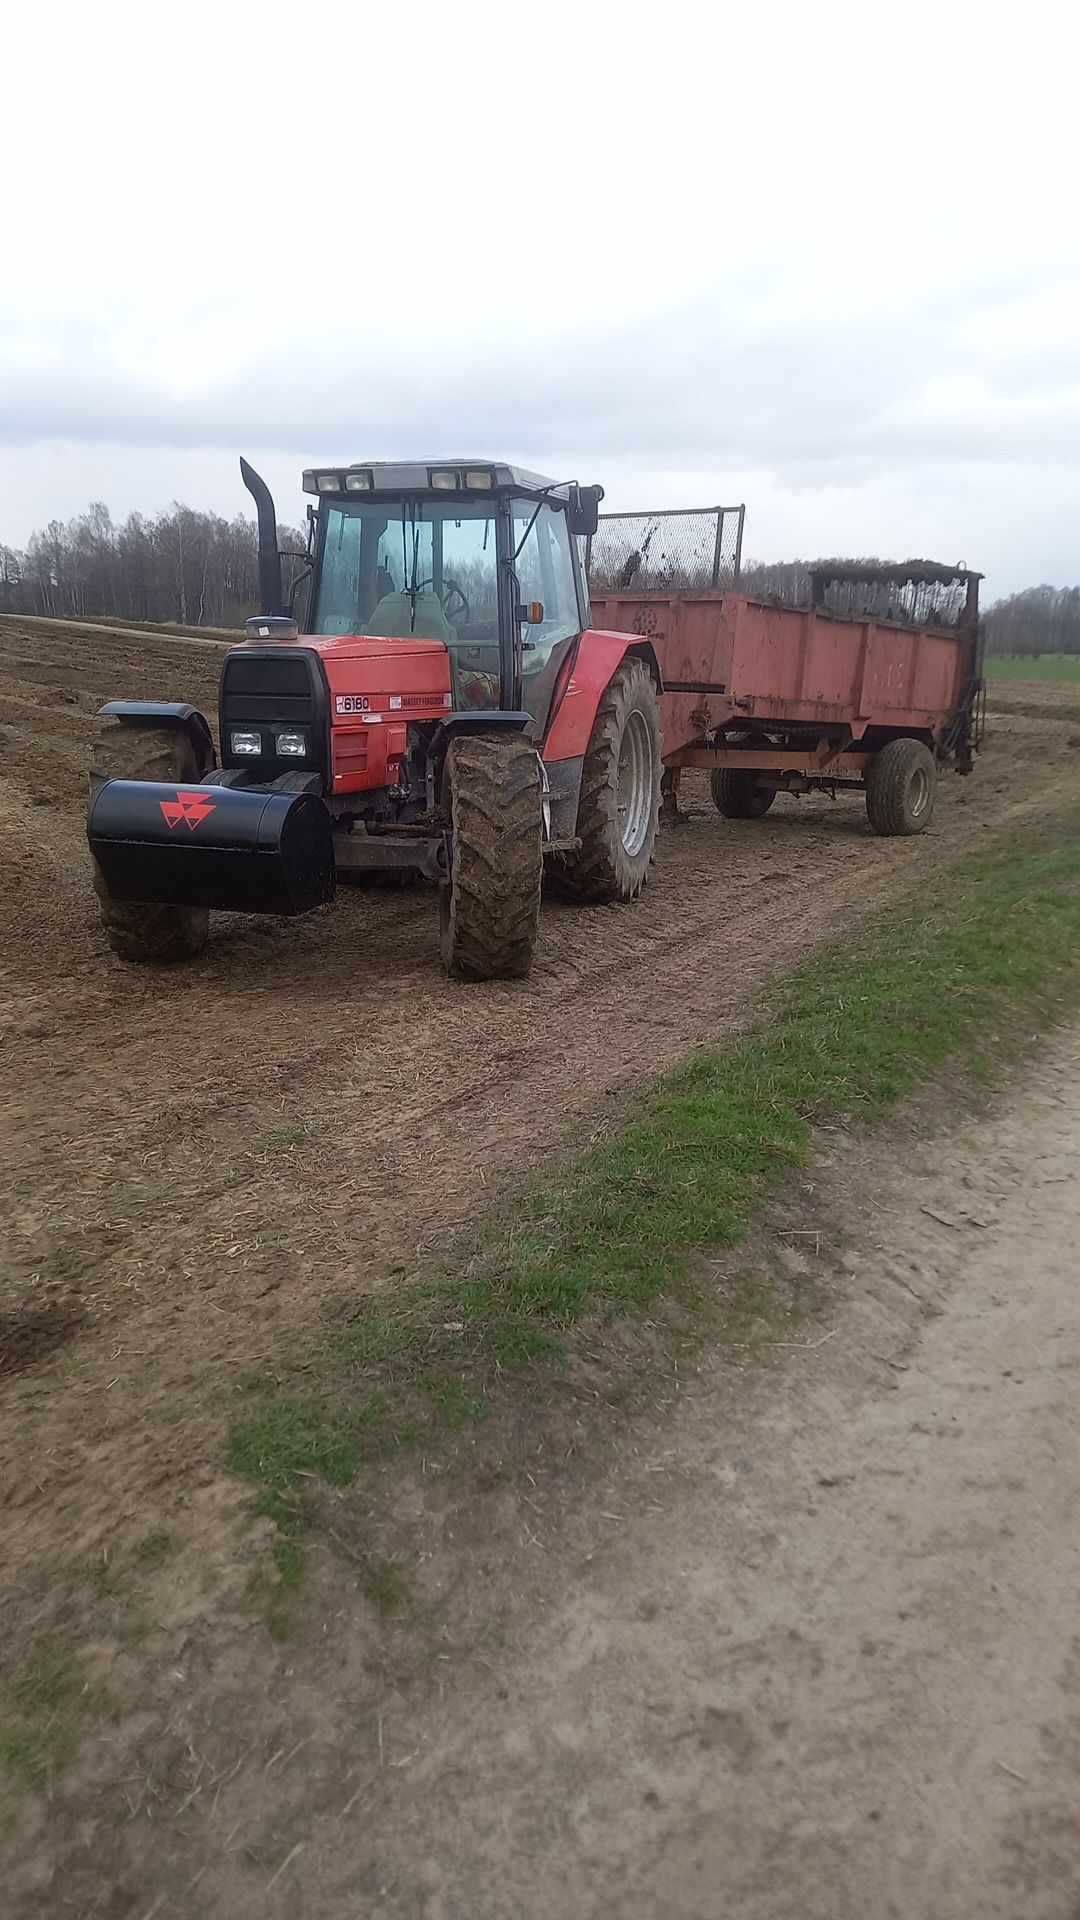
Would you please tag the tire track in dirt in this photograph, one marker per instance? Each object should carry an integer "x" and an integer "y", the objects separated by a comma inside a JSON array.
[{"x": 205, "y": 1154}]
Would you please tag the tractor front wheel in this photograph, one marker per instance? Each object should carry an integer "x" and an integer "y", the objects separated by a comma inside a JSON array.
[
  {"x": 620, "y": 794},
  {"x": 490, "y": 901},
  {"x": 122, "y": 750}
]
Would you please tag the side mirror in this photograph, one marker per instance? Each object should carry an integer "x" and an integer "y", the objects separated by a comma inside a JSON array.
[{"x": 583, "y": 510}]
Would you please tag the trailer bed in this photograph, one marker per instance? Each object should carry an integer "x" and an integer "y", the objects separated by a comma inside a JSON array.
[{"x": 805, "y": 677}]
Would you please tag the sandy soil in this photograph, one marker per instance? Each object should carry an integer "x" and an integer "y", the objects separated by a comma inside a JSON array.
[
  {"x": 197, "y": 1158},
  {"x": 812, "y": 1649}
]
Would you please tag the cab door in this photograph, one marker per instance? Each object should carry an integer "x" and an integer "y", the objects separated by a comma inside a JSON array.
[{"x": 544, "y": 563}]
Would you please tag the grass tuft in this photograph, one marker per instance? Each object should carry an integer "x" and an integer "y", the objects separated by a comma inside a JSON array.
[
  {"x": 384, "y": 1587},
  {"x": 279, "y": 1139},
  {"x": 46, "y": 1703},
  {"x": 154, "y": 1549}
]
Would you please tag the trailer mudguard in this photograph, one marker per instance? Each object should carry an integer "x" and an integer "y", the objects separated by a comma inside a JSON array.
[{"x": 229, "y": 848}]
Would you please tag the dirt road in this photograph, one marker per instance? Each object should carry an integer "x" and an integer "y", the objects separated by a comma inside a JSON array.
[
  {"x": 811, "y": 1650},
  {"x": 199, "y": 1158}
]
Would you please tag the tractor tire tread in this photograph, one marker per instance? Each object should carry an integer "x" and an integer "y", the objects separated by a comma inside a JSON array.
[{"x": 491, "y": 908}]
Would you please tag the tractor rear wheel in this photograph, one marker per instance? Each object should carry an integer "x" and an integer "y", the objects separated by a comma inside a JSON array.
[
  {"x": 620, "y": 794},
  {"x": 123, "y": 751},
  {"x": 737, "y": 794},
  {"x": 490, "y": 902},
  {"x": 901, "y": 787}
]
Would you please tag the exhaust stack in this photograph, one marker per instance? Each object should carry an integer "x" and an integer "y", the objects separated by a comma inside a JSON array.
[{"x": 269, "y": 558}]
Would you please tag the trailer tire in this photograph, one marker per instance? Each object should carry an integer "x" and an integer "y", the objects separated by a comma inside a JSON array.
[
  {"x": 490, "y": 903},
  {"x": 123, "y": 751},
  {"x": 901, "y": 787},
  {"x": 738, "y": 796},
  {"x": 619, "y": 806}
]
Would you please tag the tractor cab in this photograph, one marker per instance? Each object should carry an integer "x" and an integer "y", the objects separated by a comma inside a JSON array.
[{"x": 480, "y": 557}]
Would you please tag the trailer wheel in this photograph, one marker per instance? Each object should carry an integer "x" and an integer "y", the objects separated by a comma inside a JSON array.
[
  {"x": 122, "y": 751},
  {"x": 490, "y": 903},
  {"x": 620, "y": 794},
  {"x": 901, "y": 787},
  {"x": 738, "y": 796}
]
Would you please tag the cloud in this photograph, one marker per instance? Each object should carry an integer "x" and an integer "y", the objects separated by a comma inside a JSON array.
[
  {"x": 798, "y": 258},
  {"x": 687, "y": 386}
]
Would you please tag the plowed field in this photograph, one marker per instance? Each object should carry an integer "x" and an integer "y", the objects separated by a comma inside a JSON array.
[{"x": 196, "y": 1158}]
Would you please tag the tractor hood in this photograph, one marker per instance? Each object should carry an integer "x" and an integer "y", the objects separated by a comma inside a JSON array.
[
  {"x": 349, "y": 646},
  {"x": 366, "y": 674},
  {"x": 360, "y": 646}
]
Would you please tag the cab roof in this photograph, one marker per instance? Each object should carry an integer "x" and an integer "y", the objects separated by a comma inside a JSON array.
[{"x": 415, "y": 476}]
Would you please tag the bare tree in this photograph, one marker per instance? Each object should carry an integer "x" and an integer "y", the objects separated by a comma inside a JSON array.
[{"x": 182, "y": 566}]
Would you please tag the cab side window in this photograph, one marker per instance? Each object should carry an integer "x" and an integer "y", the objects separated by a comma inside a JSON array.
[{"x": 545, "y": 573}]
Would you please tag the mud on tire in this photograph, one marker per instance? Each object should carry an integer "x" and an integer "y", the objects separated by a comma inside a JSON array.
[
  {"x": 123, "y": 751},
  {"x": 490, "y": 905},
  {"x": 619, "y": 807},
  {"x": 901, "y": 787}
]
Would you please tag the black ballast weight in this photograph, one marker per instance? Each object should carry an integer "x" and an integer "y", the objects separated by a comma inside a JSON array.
[{"x": 230, "y": 848}]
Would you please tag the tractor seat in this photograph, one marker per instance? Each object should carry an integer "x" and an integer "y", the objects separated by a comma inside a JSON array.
[{"x": 392, "y": 619}]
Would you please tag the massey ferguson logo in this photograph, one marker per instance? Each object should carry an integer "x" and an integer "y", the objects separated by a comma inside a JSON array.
[{"x": 191, "y": 808}]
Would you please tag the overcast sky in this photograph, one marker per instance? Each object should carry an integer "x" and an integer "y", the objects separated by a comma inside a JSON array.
[{"x": 822, "y": 259}]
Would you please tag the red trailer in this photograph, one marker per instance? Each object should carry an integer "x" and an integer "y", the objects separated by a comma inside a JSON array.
[{"x": 876, "y": 683}]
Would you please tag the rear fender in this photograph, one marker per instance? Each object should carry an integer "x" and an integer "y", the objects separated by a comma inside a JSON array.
[
  {"x": 599, "y": 657},
  {"x": 168, "y": 713}
]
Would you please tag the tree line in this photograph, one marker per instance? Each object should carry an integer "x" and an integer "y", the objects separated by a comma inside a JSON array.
[
  {"x": 195, "y": 569},
  {"x": 1038, "y": 620}
]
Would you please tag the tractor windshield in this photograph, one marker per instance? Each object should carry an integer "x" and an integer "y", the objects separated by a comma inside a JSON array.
[{"x": 420, "y": 570}]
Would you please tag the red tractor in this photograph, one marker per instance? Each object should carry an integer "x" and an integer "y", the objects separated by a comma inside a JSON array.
[{"x": 448, "y": 712}]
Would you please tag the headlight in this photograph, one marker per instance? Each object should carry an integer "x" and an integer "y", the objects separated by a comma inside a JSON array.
[
  {"x": 291, "y": 743},
  {"x": 245, "y": 743},
  {"x": 328, "y": 482}
]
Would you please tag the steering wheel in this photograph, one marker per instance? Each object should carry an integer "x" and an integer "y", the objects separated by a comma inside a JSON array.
[{"x": 453, "y": 599}]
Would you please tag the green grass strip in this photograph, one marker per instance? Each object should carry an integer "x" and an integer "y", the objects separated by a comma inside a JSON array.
[
  {"x": 1062, "y": 668},
  {"x": 961, "y": 971}
]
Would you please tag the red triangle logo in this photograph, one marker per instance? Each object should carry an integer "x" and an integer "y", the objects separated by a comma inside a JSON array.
[{"x": 191, "y": 808}]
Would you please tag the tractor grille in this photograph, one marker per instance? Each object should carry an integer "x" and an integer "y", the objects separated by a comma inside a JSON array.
[
  {"x": 267, "y": 688},
  {"x": 274, "y": 688}
]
